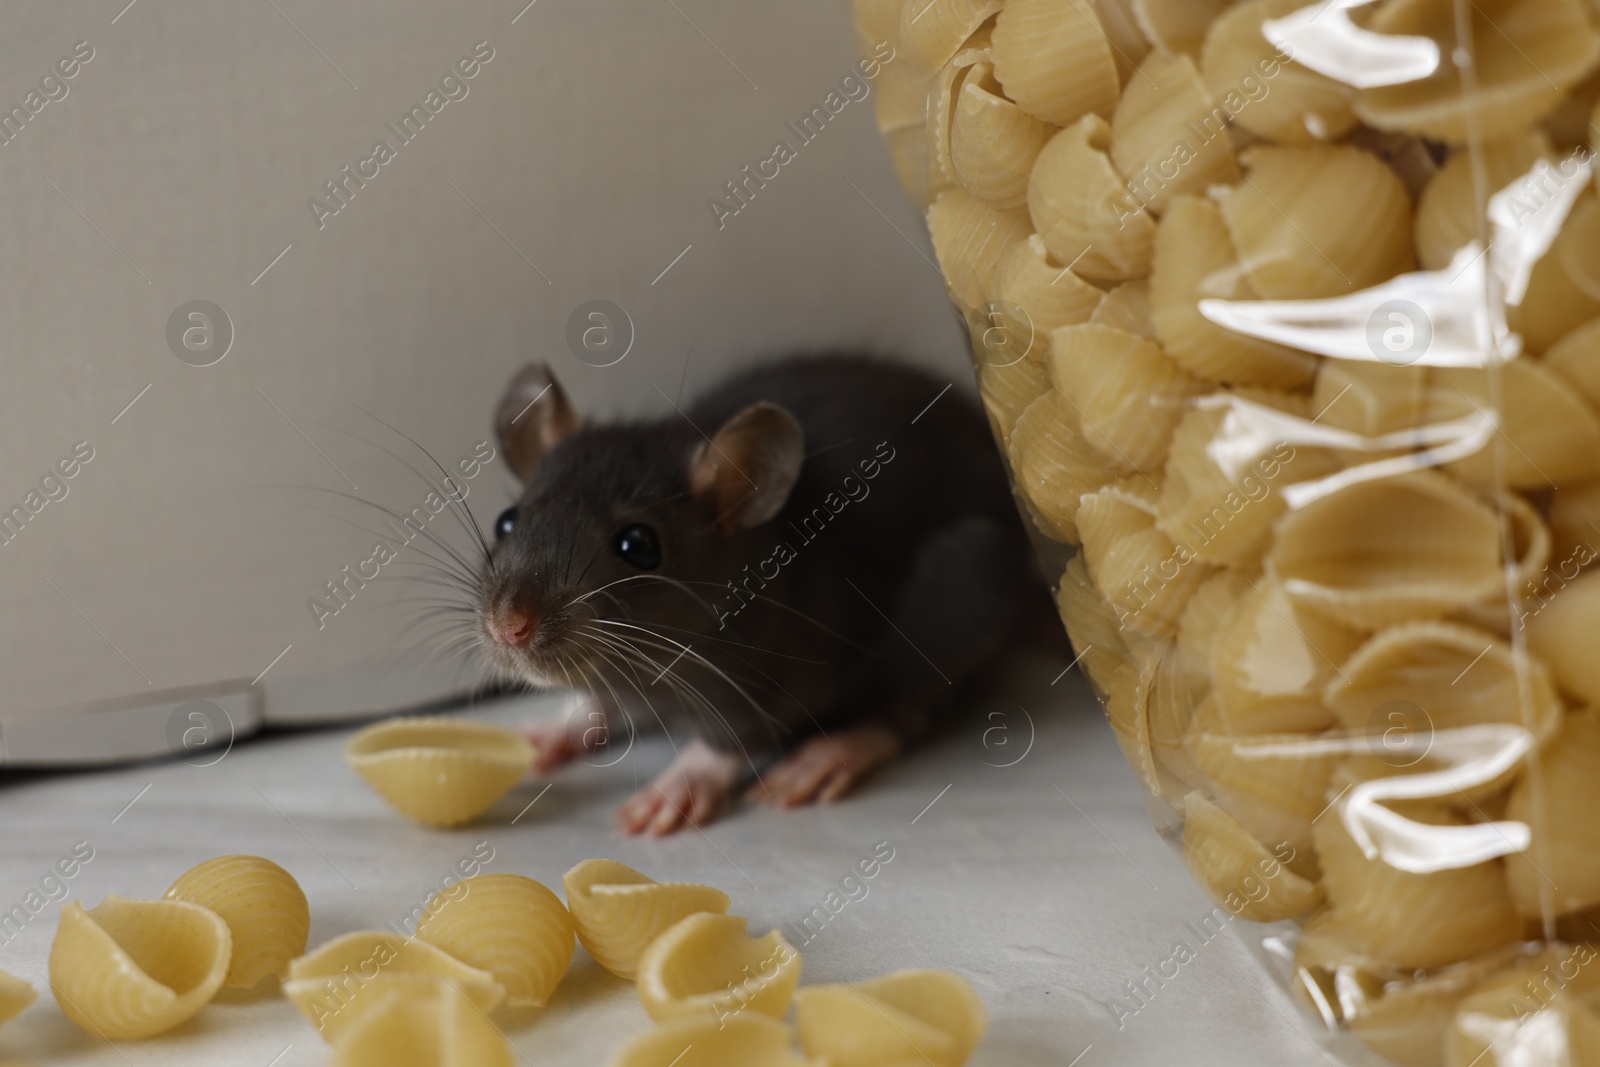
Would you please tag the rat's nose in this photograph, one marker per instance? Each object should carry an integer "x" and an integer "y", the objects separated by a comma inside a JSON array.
[{"x": 512, "y": 627}]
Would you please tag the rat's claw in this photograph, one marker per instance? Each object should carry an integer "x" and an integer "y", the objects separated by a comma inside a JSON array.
[
  {"x": 561, "y": 740},
  {"x": 689, "y": 792},
  {"x": 825, "y": 768}
]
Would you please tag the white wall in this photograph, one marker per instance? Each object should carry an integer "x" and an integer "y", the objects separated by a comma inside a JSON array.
[{"x": 179, "y": 165}]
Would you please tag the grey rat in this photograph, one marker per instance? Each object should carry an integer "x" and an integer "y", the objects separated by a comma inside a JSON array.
[{"x": 792, "y": 576}]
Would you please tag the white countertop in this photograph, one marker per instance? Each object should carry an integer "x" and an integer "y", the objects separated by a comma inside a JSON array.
[{"x": 1048, "y": 904}]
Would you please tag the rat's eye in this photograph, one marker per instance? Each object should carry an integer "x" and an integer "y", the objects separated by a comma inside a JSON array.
[
  {"x": 639, "y": 546},
  {"x": 505, "y": 524}
]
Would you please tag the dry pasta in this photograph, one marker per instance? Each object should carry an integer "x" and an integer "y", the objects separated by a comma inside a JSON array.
[
  {"x": 908, "y": 1016},
  {"x": 1548, "y": 435},
  {"x": 1083, "y": 210},
  {"x": 264, "y": 907},
  {"x": 1298, "y": 106},
  {"x": 1055, "y": 60},
  {"x": 1054, "y": 465},
  {"x": 439, "y": 771},
  {"x": 1559, "y": 873},
  {"x": 707, "y": 966},
  {"x": 1237, "y": 871},
  {"x": 432, "y": 1027},
  {"x": 15, "y": 996},
  {"x": 747, "y": 1040},
  {"x": 619, "y": 912},
  {"x": 1127, "y": 394},
  {"x": 133, "y": 968},
  {"x": 508, "y": 925},
  {"x": 970, "y": 239},
  {"x": 1153, "y": 138},
  {"x": 993, "y": 142}
]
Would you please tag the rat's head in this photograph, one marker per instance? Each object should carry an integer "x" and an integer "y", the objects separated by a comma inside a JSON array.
[{"x": 615, "y": 525}]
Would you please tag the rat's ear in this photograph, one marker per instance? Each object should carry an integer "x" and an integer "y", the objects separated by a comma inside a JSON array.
[
  {"x": 748, "y": 468},
  {"x": 533, "y": 417}
]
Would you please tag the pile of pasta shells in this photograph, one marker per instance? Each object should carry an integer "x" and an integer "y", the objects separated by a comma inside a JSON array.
[
  {"x": 1339, "y": 609},
  {"x": 130, "y": 969}
]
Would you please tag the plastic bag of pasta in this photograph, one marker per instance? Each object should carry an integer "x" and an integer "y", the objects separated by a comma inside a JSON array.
[{"x": 1286, "y": 314}]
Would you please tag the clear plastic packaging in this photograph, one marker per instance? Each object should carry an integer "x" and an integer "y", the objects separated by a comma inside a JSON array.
[{"x": 1286, "y": 314}]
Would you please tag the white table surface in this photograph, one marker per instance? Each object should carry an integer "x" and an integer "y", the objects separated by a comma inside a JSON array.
[{"x": 1048, "y": 905}]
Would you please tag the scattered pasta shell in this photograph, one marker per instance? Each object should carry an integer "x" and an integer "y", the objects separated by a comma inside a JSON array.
[
  {"x": 931, "y": 31},
  {"x": 1318, "y": 221},
  {"x": 264, "y": 907},
  {"x": 746, "y": 1040},
  {"x": 1547, "y": 435},
  {"x": 934, "y": 1017},
  {"x": 508, "y": 925},
  {"x": 970, "y": 238},
  {"x": 1237, "y": 871},
  {"x": 1526, "y": 55},
  {"x": 1273, "y": 784},
  {"x": 15, "y": 996},
  {"x": 1561, "y": 634},
  {"x": 1167, "y": 137},
  {"x": 1047, "y": 291},
  {"x": 1381, "y": 552},
  {"x": 1055, "y": 60},
  {"x": 1008, "y": 389},
  {"x": 340, "y": 980},
  {"x": 1272, "y": 661},
  {"x": 1054, "y": 465},
  {"x": 993, "y": 142},
  {"x": 1263, "y": 92},
  {"x": 1457, "y": 676},
  {"x": 1193, "y": 260},
  {"x": 432, "y": 1027},
  {"x": 1448, "y": 216},
  {"x": 1559, "y": 873},
  {"x": 619, "y": 911},
  {"x": 1409, "y": 919},
  {"x": 1127, "y": 393},
  {"x": 133, "y": 968},
  {"x": 1083, "y": 210},
  {"x": 1143, "y": 576},
  {"x": 707, "y": 966},
  {"x": 439, "y": 771}
]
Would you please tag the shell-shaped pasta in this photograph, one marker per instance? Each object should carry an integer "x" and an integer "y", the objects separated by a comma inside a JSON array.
[
  {"x": 1266, "y": 94},
  {"x": 1370, "y": 399},
  {"x": 133, "y": 968},
  {"x": 1233, "y": 867},
  {"x": 1456, "y": 675},
  {"x": 1409, "y": 919},
  {"x": 437, "y": 770},
  {"x": 1054, "y": 466},
  {"x": 15, "y": 996},
  {"x": 1381, "y": 552},
  {"x": 1526, "y": 55},
  {"x": 1083, "y": 210},
  {"x": 1008, "y": 389},
  {"x": 1127, "y": 393},
  {"x": 1175, "y": 695},
  {"x": 1547, "y": 435},
  {"x": 1055, "y": 60},
  {"x": 1447, "y": 212},
  {"x": 707, "y": 966},
  {"x": 619, "y": 911},
  {"x": 1561, "y": 634},
  {"x": 1272, "y": 661},
  {"x": 340, "y": 980},
  {"x": 1177, "y": 25},
  {"x": 1575, "y": 543},
  {"x": 1275, "y": 785},
  {"x": 1408, "y": 1021},
  {"x": 746, "y": 1040},
  {"x": 1129, "y": 46},
  {"x": 908, "y": 152},
  {"x": 1167, "y": 137},
  {"x": 931, "y": 31},
  {"x": 1318, "y": 221},
  {"x": 1138, "y": 570},
  {"x": 944, "y": 89},
  {"x": 993, "y": 142},
  {"x": 933, "y": 1017},
  {"x": 970, "y": 238},
  {"x": 1530, "y": 545},
  {"x": 264, "y": 907},
  {"x": 432, "y": 1027},
  {"x": 1553, "y": 990},
  {"x": 1194, "y": 260},
  {"x": 1051, "y": 294},
  {"x": 1559, "y": 873},
  {"x": 1091, "y": 626},
  {"x": 1554, "y": 304},
  {"x": 1127, "y": 308},
  {"x": 508, "y": 925},
  {"x": 1204, "y": 617},
  {"x": 1575, "y": 359},
  {"x": 1580, "y": 256}
]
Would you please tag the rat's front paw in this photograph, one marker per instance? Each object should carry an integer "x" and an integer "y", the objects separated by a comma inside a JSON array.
[
  {"x": 559, "y": 741},
  {"x": 690, "y": 792},
  {"x": 826, "y": 767}
]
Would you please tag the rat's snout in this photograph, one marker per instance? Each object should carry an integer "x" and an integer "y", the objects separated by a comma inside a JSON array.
[{"x": 511, "y": 626}]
